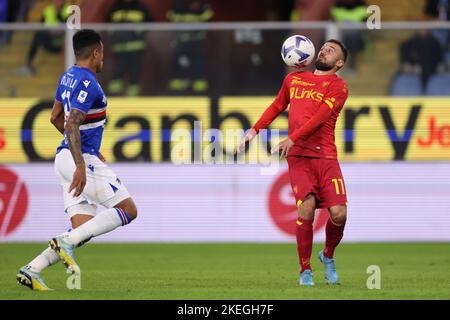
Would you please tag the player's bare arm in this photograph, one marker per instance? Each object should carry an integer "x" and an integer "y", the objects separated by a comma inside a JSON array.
[
  {"x": 251, "y": 133},
  {"x": 76, "y": 118},
  {"x": 271, "y": 113},
  {"x": 57, "y": 119},
  {"x": 57, "y": 116}
]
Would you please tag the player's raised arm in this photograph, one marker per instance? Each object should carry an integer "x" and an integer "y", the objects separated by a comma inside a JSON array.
[
  {"x": 313, "y": 124},
  {"x": 276, "y": 107},
  {"x": 304, "y": 132},
  {"x": 334, "y": 99},
  {"x": 57, "y": 116},
  {"x": 76, "y": 118}
]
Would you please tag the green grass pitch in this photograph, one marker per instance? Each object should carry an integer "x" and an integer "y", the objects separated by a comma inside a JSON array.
[{"x": 233, "y": 271}]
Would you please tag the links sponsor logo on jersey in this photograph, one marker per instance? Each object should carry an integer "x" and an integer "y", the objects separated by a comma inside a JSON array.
[
  {"x": 142, "y": 129},
  {"x": 295, "y": 93}
]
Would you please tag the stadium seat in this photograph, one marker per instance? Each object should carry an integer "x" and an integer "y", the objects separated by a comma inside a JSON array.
[
  {"x": 447, "y": 58},
  {"x": 405, "y": 84},
  {"x": 438, "y": 85}
]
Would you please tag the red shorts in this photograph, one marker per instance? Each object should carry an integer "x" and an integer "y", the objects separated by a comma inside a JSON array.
[{"x": 319, "y": 176}]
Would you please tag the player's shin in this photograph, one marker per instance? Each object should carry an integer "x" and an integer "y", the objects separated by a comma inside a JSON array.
[
  {"x": 45, "y": 259},
  {"x": 104, "y": 222},
  {"x": 304, "y": 235},
  {"x": 334, "y": 234}
]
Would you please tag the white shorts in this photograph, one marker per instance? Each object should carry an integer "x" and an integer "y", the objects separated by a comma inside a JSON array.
[{"x": 102, "y": 184}]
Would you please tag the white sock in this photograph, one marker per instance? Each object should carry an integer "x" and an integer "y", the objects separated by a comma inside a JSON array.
[
  {"x": 47, "y": 258},
  {"x": 104, "y": 222}
]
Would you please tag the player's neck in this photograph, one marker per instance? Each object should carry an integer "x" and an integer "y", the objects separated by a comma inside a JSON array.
[
  {"x": 324, "y": 73},
  {"x": 86, "y": 64}
]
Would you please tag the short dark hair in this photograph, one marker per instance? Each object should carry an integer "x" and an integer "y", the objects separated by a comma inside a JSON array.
[
  {"x": 342, "y": 46},
  {"x": 84, "y": 41}
]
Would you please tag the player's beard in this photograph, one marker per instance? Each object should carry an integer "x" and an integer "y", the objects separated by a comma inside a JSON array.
[
  {"x": 323, "y": 66},
  {"x": 100, "y": 67}
]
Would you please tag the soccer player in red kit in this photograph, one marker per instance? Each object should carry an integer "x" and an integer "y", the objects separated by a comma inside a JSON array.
[{"x": 315, "y": 100}]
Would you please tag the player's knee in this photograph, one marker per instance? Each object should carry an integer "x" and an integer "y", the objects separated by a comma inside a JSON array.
[
  {"x": 307, "y": 208},
  {"x": 129, "y": 207},
  {"x": 338, "y": 214},
  {"x": 306, "y": 212},
  {"x": 132, "y": 210}
]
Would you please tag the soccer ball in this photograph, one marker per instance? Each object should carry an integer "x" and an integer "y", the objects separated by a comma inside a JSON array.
[{"x": 298, "y": 51}]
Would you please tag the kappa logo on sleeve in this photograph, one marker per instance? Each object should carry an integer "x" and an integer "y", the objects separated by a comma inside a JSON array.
[{"x": 82, "y": 96}]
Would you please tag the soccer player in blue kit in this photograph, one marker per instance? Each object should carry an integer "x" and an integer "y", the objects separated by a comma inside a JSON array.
[{"x": 79, "y": 112}]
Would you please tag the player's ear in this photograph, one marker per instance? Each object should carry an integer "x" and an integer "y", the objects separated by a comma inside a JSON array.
[
  {"x": 96, "y": 52},
  {"x": 340, "y": 63}
]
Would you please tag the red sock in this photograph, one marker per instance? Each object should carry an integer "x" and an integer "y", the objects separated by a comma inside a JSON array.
[
  {"x": 304, "y": 233},
  {"x": 334, "y": 235}
]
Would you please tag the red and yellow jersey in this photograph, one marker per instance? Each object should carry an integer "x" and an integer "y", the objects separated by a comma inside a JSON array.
[{"x": 315, "y": 102}]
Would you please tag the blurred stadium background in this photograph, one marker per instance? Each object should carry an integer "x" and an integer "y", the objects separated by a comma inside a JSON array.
[{"x": 171, "y": 63}]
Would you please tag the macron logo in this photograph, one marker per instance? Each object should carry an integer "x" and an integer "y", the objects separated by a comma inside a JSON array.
[{"x": 86, "y": 83}]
